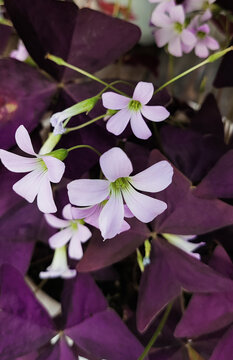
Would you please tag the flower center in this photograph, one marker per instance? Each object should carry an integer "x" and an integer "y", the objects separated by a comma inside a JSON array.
[
  {"x": 74, "y": 223},
  {"x": 119, "y": 184},
  {"x": 42, "y": 165},
  {"x": 134, "y": 105},
  {"x": 178, "y": 27},
  {"x": 201, "y": 34}
]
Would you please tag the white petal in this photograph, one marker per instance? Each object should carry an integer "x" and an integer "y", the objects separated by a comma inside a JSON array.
[
  {"x": 45, "y": 201},
  {"x": 17, "y": 163},
  {"x": 111, "y": 217},
  {"x": 60, "y": 238},
  {"x": 23, "y": 140},
  {"x": 155, "y": 178},
  {"x": 118, "y": 122},
  {"x": 142, "y": 206},
  {"x": 143, "y": 92},
  {"x": 81, "y": 213},
  {"x": 86, "y": 192},
  {"x": 114, "y": 101},
  {"x": 139, "y": 127},
  {"x": 75, "y": 250},
  {"x": 177, "y": 14},
  {"x": 55, "y": 168},
  {"x": 155, "y": 113},
  {"x": 67, "y": 212},
  {"x": 115, "y": 164},
  {"x": 28, "y": 187},
  {"x": 55, "y": 222}
]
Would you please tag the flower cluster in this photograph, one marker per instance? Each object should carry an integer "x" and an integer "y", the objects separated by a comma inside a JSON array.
[{"x": 184, "y": 27}]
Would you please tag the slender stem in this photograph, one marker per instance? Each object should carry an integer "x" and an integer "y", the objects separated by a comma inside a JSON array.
[
  {"x": 85, "y": 124},
  {"x": 84, "y": 146},
  {"x": 157, "y": 332},
  {"x": 210, "y": 59},
  {"x": 60, "y": 61},
  {"x": 113, "y": 83}
]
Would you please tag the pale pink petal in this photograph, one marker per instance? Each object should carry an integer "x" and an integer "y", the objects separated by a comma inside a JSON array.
[
  {"x": 174, "y": 46},
  {"x": 204, "y": 28},
  {"x": 160, "y": 19},
  {"x": 139, "y": 127},
  {"x": 85, "y": 192},
  {"x": 188, "y": 38},
  {"x": 56, "y": 222},
  {"x": 177, "y": 14},
  {"x": 125, "y": 227},
  {"x": 162, "y": 36},
  {"x": 55, "y": 168},
  {"x": 128, "y": 213},
  {"x": 93, "y": 219},
  {"x": 155, "y": 178},
  {"x": 201, "y": 50},
  {"x": 28, "y": 187},
  {"x": 114, "y": 101},
  {"x": 187, "y": 48},
  {"x": 67, "y": 212},
  {"x": 82, "y": 213},
  {"x": 60, "y": 238},
  {"x": 75, "y": 250},
  {"x": 84, "y": 233},
  {"x": 23, "y": 140},
  {"x": 211, "y": 43},
  {"x": 45, "y": 201},
  {"x": 142, "y": 206},
  {"x": 17, "y": 163},
  {"x": 115, "y": 164},
  {"x": 111, "y": 217},
  {"x": 155, "y": 113},
  {"x": 143, "y": 92},
  {"x": 118, "y": 122}
]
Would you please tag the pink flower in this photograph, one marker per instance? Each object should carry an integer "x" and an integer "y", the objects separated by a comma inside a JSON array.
[
  {"x": 173, "y": 31},
  {"x": 59, "y": 266},
  {"x": 120, "y": 187},
  {"x": 132, "y": 109},
  {"x": 73, "y": 231},
  {"x": 195, "y": 5},
  {"x": 42, "y": 170},
  {"x": 20, "y": 53}
]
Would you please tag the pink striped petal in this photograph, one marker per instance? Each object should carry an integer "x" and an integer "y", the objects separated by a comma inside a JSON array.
[
  {"x": 139, "y": 127},
  {"x": 143, "y": 92},
  {"x": 142, "y": 206},
  {"x": 28, "y": 187},
  {"x": 155, "y": 178},
  {"x": 55, "y": 222},
  {"x": 174, "y": 46},
  {"x": 75, "y": 250},
  {"x": 17, "y": 163},
  {"x": 111, "y": 217},
  {"x": 114, "y": 101},
  {"x": 93, "y": 219},
  {"x": 155, "y": 113},
  {"x": 67, "y": 212},
  {"x": 60, "y": 238},
  {"x": 177, "y": 14},
  {"x": 45, "y": 201},
  {"x": 86, "y": 192},
  {"x": 115, "y": 164},
  {"x": 118, "y": 122},
  {"x": 55, "y": 168},
  {"x": 23, "y": 140}
]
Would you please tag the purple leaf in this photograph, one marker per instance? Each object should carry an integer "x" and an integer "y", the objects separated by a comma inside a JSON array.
[
  {"x": 224, "y": 348},
  {"x": 24, "y": 96},
  {"x": 85, "y": 38},
  {"x": 191, "y": 275},
  {"x": 5, "y": 32},
  {"x": 60, "y": 351},
  {"x": 24, "y": 324},
  {"x": 100, "y": 254},
  {"x": 218, "y": 182}
]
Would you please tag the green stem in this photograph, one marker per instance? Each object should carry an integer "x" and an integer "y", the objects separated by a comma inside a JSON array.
[
  {"x": 210, "y": 59},
  {"x": 84, "y": 146},
  {"x": 85, "y": 124},
  {"x": 157, "y": 332},
  {"x": 113, "y": 83},
  {"x": 60, "y": 61}
]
